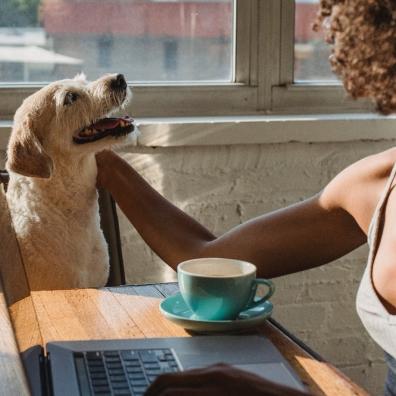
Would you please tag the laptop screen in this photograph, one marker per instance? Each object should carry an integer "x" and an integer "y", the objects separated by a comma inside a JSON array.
[{"x": 15, "y": 284}]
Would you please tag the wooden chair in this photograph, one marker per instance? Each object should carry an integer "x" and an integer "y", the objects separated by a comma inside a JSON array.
[{"x": 111, "y": 231}]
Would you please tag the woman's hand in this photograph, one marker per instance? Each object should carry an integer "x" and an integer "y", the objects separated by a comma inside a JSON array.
[{"x": 217, "y": 380}]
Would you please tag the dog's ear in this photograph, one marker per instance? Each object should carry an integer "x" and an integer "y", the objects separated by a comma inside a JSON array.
[{"x": 25, "y": 154}]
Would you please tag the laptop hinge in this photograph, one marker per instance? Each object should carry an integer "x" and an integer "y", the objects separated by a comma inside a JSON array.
[
  {"x": 34, "y": 363},
  {"x": 45, "y": 372}
]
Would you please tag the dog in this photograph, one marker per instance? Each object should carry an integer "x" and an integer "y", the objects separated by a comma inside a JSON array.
[{"x": 52, "y": 192}]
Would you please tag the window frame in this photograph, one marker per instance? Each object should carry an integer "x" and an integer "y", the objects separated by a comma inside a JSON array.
[
  {"x": 289, "y": 96},
  {"x": 264, "y": 63}
]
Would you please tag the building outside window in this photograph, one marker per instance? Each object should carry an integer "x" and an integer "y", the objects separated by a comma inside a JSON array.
[
  {"x": 311, "y": 51},
  {"x": 105, "y": 45}
]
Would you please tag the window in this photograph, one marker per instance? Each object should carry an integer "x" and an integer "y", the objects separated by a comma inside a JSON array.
[
  {"x": 105, "y": 44},
  {"x": 171, "y": 64},
  {"x": 310, "y": 49},
  {"x": 146, "y": 40},
  {"x": 190, "y": 58}
]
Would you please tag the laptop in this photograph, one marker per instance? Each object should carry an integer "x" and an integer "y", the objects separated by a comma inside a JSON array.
[{"x": 120, "y": 367}]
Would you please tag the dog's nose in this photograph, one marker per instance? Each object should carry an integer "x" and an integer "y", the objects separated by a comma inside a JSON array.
[{"x": 119, "y": 82}]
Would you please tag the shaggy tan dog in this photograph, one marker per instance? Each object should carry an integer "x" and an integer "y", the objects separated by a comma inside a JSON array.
[{"x": 51, "y": 193}]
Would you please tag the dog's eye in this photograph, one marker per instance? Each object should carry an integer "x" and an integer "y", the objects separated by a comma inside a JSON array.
[{"x": 70, "y": 98}]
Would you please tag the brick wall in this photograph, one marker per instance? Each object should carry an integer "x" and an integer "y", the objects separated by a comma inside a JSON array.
[{"x": 225, "y": 185}]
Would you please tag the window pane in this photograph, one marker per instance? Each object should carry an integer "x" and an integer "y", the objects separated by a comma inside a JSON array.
[
  {"x": 45, "y": 40},
  {"x": 311, "y": 52}
]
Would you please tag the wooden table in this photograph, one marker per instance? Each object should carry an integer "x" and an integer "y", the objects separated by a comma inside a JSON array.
[{"x": 132, "y": 312}]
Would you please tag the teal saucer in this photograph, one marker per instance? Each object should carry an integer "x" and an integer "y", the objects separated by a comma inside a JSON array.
[{"x": 176, "y": 310}]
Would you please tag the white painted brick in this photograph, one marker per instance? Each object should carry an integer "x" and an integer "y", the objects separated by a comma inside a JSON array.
[
  {"x": 302, "y": 317},
  {"x": 369, "y": 376},
  {"x": 341, "y": 350},
  {"x": 342, "y": 318}
]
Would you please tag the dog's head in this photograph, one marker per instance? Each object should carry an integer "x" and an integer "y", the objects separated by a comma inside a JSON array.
[{"x": 67, "y": 118}]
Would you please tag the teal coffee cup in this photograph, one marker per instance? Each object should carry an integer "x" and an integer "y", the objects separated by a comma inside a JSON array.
[{"x": 219, "y": 288}]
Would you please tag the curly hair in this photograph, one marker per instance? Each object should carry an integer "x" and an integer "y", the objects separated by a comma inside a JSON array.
[{"x": 363, "y": 38}]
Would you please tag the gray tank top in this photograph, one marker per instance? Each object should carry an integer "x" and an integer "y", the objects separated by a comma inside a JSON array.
[{"x": 380, "y": 324}]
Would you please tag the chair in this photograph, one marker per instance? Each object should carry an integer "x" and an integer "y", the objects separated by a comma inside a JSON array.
[{"x": 111, "y": 231}]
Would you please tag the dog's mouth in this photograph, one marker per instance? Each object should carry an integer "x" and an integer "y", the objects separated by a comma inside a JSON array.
[{"x": 111, "y": 126}]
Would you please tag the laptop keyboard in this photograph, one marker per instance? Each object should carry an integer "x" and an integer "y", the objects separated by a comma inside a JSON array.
[{"x": 125, "y": 372}]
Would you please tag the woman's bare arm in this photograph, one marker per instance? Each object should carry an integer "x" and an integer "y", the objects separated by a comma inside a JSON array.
[{"x": 298, "y": 237}]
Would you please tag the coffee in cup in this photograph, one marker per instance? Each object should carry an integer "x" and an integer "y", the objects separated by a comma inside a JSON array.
[{"x": 220, "y": 288}]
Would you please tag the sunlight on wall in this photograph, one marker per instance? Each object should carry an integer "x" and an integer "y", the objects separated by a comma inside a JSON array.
[{"x": 142, "y": 265}]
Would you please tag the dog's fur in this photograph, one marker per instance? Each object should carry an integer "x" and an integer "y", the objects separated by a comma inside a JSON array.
[{"x": 52, "y": 192}]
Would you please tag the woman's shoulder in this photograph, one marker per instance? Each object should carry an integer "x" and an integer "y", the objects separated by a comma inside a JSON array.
[
  {"x": 372, "y": 168},
  {"x": 358, "y": 188}
]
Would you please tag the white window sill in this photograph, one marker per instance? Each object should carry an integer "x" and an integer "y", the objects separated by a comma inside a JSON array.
[{"x": 198, "y": 131}]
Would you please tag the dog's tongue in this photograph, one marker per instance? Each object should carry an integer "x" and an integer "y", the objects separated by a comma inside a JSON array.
[{"x": 110, "y": 123}]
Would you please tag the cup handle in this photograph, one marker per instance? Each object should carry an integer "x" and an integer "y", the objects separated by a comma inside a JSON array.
[{"x": 271, "y": 289}]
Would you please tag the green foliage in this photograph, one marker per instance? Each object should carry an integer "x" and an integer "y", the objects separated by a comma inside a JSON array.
[{"x": 19, "y": 13}]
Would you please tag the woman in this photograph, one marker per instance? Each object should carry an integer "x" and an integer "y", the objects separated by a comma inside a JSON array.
[{"x": 357, "y": 203}]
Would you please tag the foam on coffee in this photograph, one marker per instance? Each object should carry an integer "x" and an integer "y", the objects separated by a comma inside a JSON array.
[{"x": 217, "y": 267}]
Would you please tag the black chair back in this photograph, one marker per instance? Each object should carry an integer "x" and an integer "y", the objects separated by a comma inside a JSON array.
[{"x": 111, "y": 231}]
